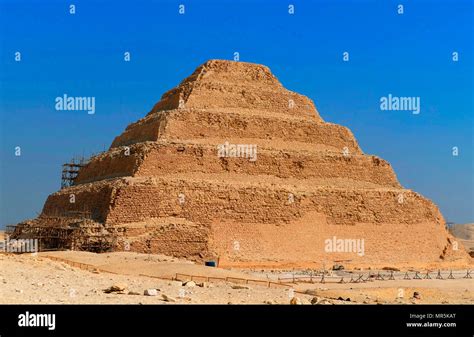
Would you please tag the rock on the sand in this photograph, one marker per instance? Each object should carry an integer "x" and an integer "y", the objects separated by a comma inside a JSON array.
[
  {"x": 150, "y": 292},
  {"x": 315, "y": 300},
  {"x": 296, "y": 301},
  {"x": 189, "y": 284},
  {"x": 116, "y": 288}
]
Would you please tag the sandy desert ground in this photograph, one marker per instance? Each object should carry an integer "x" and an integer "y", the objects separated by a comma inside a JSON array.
[{"x": 29, "y": 278}]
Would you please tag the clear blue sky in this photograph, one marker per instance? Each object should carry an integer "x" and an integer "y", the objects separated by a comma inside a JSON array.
[{"x": 82, "y": 55}]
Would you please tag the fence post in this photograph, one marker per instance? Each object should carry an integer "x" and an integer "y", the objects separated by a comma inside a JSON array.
[
  {"x": 451, "y": 277},
  {"x": 439, "y": 277},
  {"x": 391, "y": 275}
]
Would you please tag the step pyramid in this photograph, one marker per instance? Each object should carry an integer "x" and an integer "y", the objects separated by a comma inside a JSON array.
[{"x": 230, "y": 165}]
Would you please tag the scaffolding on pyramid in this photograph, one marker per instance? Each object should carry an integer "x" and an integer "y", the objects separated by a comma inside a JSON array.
[{"x": 71, "y": 170}]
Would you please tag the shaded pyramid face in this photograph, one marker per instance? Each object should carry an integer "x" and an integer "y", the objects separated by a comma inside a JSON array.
[{"x": 231, "y": 165}]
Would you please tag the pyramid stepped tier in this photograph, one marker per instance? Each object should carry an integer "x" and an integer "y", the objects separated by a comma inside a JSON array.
[
  {"x": 161, "y": 158},
  {"x": 220, "y": 124},
  {"x": 236, "y": 196},
  {"x": 165, "y": 186},
  {"x": 227, "y": 85}
]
